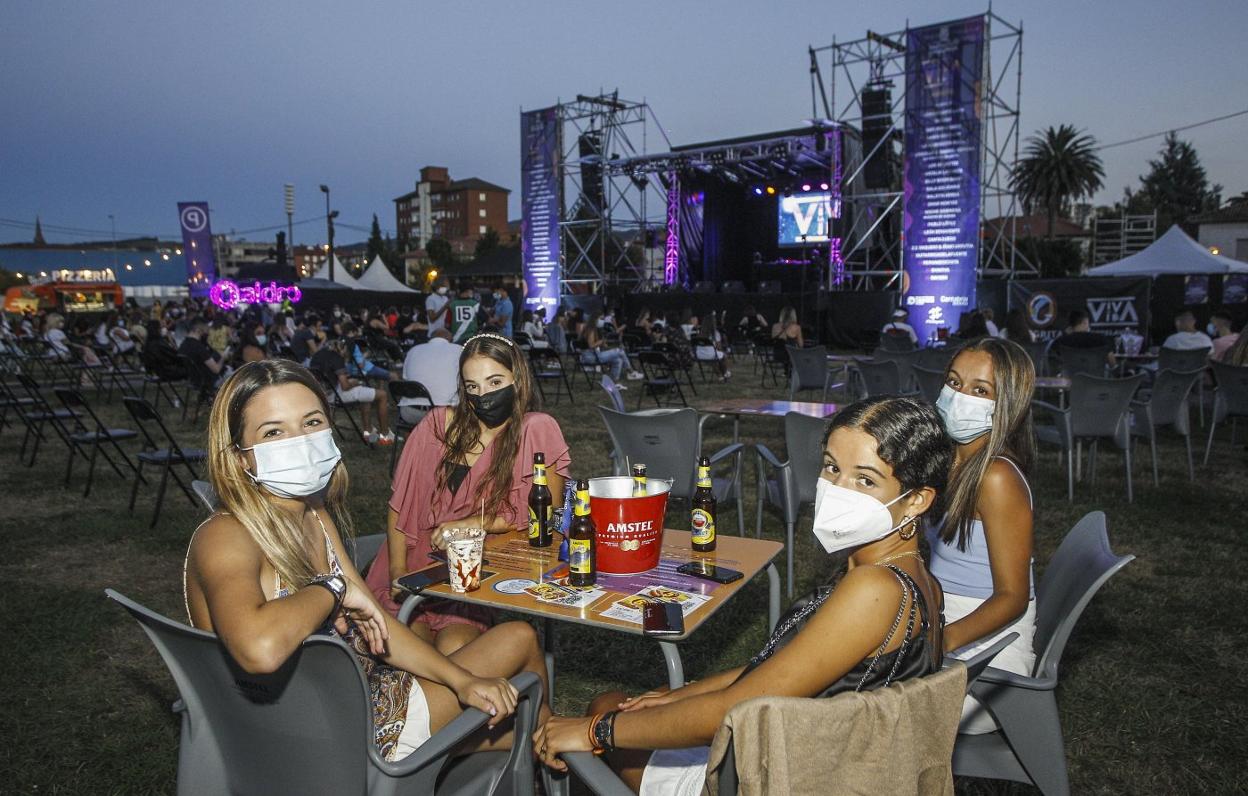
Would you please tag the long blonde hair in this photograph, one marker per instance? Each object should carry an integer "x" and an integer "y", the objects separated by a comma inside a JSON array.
[
  {"x": 1011, "y": 434},
  {"x": 278, "y": 534}
]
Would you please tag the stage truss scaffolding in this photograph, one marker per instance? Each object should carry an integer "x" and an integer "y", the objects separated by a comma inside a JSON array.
[
  {"x": 609, "y": 218},
  {"x": 871, "y": 242}
]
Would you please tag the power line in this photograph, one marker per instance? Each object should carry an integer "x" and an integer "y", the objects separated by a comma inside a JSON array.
[{"x": 1171, "y": 130}]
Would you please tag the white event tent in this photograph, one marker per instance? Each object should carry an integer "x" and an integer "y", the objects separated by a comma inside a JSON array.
[
  {"x": 340, "y": 274},
  {"x": 378, "y": 277},
  {"x": 1173, "y": 253}
]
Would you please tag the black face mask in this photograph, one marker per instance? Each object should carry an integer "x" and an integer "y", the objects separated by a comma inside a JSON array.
[{"x": 494, "y": 408}]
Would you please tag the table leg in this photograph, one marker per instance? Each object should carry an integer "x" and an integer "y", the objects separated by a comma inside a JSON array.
[
  {"x": 773, "y": 598},
  {"x": 548, "y": 647},
  {"x": 675, "y": 669}
]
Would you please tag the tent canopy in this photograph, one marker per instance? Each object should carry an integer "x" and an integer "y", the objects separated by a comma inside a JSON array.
[
  {"x": 1172, "y": 253},
  {"x": 340, "y": 274},
  {"x": 378, "y": 277}
]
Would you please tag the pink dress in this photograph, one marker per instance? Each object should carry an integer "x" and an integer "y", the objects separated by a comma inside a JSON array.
[{"x": 421, "y": 506}]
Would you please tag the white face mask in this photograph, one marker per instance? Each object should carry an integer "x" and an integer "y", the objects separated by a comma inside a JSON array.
[
  {"x": 297, "y": 466},
  {"x": 966, "y": 416},
  {"x": 1211, "y": 330},
  {"x": 262, "y": 339},
  {"x": 845, "y": 518},
  {"x": 442, "y": 291}
]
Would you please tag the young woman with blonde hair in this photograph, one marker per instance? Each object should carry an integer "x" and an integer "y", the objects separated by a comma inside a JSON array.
[
  {"x": 462, "y": 461},
  {"x": 982, "y": 550},
  {"x": 270, "y": 567}
]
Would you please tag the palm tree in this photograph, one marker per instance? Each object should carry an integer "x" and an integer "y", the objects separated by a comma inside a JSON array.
[{"x": 1059, "y": 166}]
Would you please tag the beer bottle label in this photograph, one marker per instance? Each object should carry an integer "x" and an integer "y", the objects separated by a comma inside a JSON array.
[
  {"x": 703, "y": 527},
  {"x": 582, "y": 503},
  {"x": 580, "y": 561},
  {"x": 539, "y": 474},
  {"x": 704, "y": 476},
  {"x": 639, "y": 486},
  {"x": 536, "y": 523}
]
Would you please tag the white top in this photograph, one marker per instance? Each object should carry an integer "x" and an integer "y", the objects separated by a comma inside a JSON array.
[
  {"x": 993, "y": 331},
  {"x": 434, "y": 364},
  {"x": 1188, "y": 341},
  {"x": 59, "y": 341},
  {"x": 901, "y": 326},
  {"x": 434, "y": 305}
]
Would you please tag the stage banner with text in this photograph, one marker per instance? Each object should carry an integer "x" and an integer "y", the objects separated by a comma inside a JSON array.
[
  {"x": 944, "y": 113},
  {"x": 1114, "y": 303},
  {"x": 201, "y": 264},
  {"x": 539, "y": 204}
]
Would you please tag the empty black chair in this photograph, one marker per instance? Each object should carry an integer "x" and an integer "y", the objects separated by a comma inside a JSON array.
[
  {"x": 96, "y": 437},
  {"x": 660, "y": 379},
  {"x": 167, "y": 458},
  {"x": 39, "y": 416},
  {"x": 547, "y": 367}
]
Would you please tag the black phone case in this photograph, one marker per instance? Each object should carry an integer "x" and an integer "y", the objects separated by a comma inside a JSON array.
[
  {"x": 691, "y": 569},
  {"x": 416, "y": 582}
]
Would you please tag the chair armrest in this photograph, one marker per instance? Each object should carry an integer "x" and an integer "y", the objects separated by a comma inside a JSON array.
[
  {"x": 999, "y": 677},
  {"x": 767, "y": 456},
  {"x": 1054, "y": 408},
  {"x": 725, "y": 452},
  {"x": 446, "y": 739},
  {"x": 408, "y": 608},
  {"x": 596, "y": 774}
]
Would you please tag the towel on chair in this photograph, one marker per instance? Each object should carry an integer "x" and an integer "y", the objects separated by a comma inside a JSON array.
[{"x": 892, "y": 740}]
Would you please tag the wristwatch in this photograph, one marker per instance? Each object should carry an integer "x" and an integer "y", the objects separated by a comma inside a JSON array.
[
  {"x": 604, "y": 733},
  {"x": 335, "y": 585}
]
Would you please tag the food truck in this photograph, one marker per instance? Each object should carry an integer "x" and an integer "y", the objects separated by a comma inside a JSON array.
[{"x": 67, "y": 291}]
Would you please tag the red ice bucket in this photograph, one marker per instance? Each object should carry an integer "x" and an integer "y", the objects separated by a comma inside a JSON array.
[{"x": 630, "y": 529}]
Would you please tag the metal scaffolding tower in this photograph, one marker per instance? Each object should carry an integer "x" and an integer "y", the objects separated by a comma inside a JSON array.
[
  {"x": 843, "y": 72},
  {"x": 610, "y": 220}
]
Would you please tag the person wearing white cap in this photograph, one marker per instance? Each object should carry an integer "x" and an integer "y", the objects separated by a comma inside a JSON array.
[{"x": 898, "y": 326}]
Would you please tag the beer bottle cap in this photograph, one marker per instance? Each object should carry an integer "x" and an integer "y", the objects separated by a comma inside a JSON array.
[{"x": 539, "y": 458}]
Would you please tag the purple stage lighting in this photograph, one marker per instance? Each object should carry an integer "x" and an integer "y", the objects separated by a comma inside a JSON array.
[{"x": 671, "y": 251}]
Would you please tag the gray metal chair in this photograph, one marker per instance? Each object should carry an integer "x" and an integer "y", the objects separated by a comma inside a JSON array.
[
  {"x": 929, "y": 382},
  {"x": 1230, "y": 399},
  {"x": 793, "y": 481},
  {"x": 877, "y": 378},
  {"x": 976, "y": 665},
  {"x": 669, "y": 444},
  {"x": 1038, "y": 352},
  {"x": 938, "y": 358},
  {"x": 1185, "y": 359},
  {"x": 613, "y": 392},
  {"x": 809, "y": 371},
  {"x": 1167, "y": 405},
  {"x": 1028, "y": 745},
  {"x": 1099, "y": 409},
  {"x": 905, "y": 362},
  {"x": 308, "y": 728},
  {"x": 896, "y": 342}
]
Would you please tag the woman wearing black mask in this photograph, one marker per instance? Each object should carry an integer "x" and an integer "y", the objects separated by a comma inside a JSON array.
[{"x": 459, "y": 459}]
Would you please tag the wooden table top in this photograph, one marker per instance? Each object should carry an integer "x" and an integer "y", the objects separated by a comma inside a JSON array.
[
  {"x": 513, "y": 565},
  {"x": 770, "y": 408}
]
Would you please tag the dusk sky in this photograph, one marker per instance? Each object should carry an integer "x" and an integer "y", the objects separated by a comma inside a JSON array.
[{"x": 127, "y": 107}]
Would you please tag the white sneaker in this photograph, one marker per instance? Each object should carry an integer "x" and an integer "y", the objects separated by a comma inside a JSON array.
[
  {"x": 636, "y": 375},
  {"x": 621, "y": 386},
  {"x": 371, "y": 436}
]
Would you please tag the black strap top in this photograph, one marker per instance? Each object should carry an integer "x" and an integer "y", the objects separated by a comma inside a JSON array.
[
  {"x": 914, "y": 657},
  {"x": 455, "y": 477}
]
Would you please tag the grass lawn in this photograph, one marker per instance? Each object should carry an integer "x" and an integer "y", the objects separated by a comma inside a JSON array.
[{"x": 1150, "y": 693}]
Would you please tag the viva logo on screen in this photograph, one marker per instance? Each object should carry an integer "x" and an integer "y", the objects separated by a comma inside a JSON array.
[{"x": 804, "y": 218}]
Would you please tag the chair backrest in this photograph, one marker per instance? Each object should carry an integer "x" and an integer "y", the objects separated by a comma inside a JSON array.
[
  {"x": 668, "y": 444},
  {"x": 896, "y": 342},
  {"x": 1182, "y": 358},
  {"x": 810, "y": 367},
  {"x": 1081, "y": 565},
  {"x": 879, "y": 378},
  {"x": 930, "y": 382},
  {"x": 1038, "y": 352},
  {"x": 1168, "y": 401},
  {"x": 75, "y": 402},
  {"x": 401, "y": 389},
  {"x": 803, "y": 440},
  {"x": 657, "y": 365},
  {"x": 905, "y": 361},
  {"x": 1232, "y": 389},
  {"x": 613, "y": 391},
  {"x": 1098, "y": 407},
  {"x": 206, "y": 494},
  {"x": 1091, "y": 361},
  {"x": 144, "y": 414},
  {"x": 522, "y": 339},
  {"x": 938, "y": 358},
  {"x": 302, "y": 729}
]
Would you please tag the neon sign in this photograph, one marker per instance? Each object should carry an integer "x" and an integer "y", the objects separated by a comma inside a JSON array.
[{"x": 226, "y": 294}]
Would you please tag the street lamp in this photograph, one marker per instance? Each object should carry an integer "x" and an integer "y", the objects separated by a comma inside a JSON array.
[{"x": 329, "y": 227}]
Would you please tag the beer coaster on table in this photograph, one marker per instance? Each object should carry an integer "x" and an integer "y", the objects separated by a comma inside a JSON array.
[{"x": 513, "y": 585}]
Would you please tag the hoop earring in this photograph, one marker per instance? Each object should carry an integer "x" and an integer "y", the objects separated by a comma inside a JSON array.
[{"x": 914, "y": 528}]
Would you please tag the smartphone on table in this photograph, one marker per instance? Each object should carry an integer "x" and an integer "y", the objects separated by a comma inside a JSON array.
[
  {"x": 662, "y": 619},
  {"x": 708, "y": 571},
  {"x": 421, "y": 579}
]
